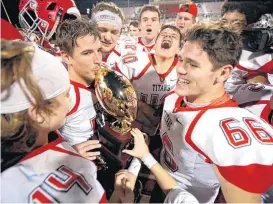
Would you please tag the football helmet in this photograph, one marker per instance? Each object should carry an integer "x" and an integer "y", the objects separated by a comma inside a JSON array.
[{"x": 41, "y": 17}]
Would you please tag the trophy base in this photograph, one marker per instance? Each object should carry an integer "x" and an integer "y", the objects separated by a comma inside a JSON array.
[{"x": 111, "y": 151}]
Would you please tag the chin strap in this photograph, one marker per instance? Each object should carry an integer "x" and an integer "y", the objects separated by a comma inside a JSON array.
[
  {"x": 6, "y": 11},
  {"x": 59, "y": 15}
]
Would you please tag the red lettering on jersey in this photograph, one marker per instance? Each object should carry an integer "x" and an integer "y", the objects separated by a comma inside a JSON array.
[
  {"x": 132, "y": 47},
  {"x": 238, "y": 137},
  {"x": 168, "y": 146},
  {"x": 129, "y": 59},
  {"x": 93, "y": 123},
  {"x": 39, "y": 195},
  {"x": 59, "y": 183},
  {"x": 260, "y": 133}
]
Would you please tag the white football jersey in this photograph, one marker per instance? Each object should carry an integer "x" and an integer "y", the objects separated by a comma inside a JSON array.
[
  {"x": 53, "y": 173},
  {"x": 150, "y": 86},
  {"x": 149, "y": 48},
  {"x": 255, "y": 97},
  {"x": 80, "y": 121},
  {"x": 250, "y": 64},
  {"x": 122, "y": 48},
  {"x": 238, "y": 142}
]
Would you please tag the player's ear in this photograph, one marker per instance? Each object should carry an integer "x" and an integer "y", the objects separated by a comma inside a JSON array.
[
  {"x": 66, "y": 58},
  {"x": 34, "y": 115},
  {"x": 223, "y": 73}
]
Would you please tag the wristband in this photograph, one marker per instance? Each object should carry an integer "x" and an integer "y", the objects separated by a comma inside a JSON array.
[{"x": 149, "y": 160}]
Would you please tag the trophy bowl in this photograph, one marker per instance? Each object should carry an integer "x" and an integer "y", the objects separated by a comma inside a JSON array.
[{"x": 117, "y": 97}]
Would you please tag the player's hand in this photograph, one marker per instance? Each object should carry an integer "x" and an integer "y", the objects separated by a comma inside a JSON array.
[
  {"x": 124, "y": 186},
  {"x": 140, "y": 147},
  {"x": 84, "y": 149}
]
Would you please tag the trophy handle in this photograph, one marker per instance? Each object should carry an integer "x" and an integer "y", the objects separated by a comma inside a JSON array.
[{"x": 121, "y": 126}]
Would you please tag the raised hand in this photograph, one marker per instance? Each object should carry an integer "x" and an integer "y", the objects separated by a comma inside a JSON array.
[
  {"x": 84, "y": 149},
  {"x": 140, "y": 147}
]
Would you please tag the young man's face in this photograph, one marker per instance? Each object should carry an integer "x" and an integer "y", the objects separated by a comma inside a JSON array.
[
  {"x": 184, "y": 21},
  {"x": 133, "y": 31},
  {"x": 196, "y": 77},
  {"x": 109, "y": 36},
  {"x": 167, "y": 43},
  {"x": 149, "y": 25},
  {"x": 236, "y": 20},
  {"x": 86, "y": 58}
]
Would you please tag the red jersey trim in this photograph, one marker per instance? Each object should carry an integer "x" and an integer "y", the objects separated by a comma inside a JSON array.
[
  {"x": 142, "y": 72},
  {"x": 42, "y": 149},
  {"x": 178, "y": 108},
  {"x": 78, "y": 99},
  {"x": 254, "y": 178},
  {"x": 266, "y": 110},
  {"x": 116, "y": 52},
  {"x": 79, "y": 85},
  {"x": 266, "y": 68},
  {"x": 163, "y": 76},
  {"x": 103, "y": 198},
  {"x": 189, "y": 132},
  {"x": 117, "y": 68},
  {"x": 149, "y": 48},
  {"x": 113, "y": 50}
]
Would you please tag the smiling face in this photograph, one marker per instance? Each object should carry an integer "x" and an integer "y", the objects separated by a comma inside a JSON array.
[
  {"x": 167, "y": 43},
  {"x": 197, "y": 79},
  {"x": 235, "y": 20},
  {"x": 149, "y": 25},
  {"x": 86, "y": 59},
  {"x": 184, "y": 21},
  {"x": 109, "y": 36}
]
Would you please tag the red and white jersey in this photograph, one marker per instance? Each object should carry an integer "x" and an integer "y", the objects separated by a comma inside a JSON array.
[
  {"x": 80, "y": 121},
  {"x": 149, "y": 48},
  {"x": 53, "y": 173},
  {"x": 250, "y": 64},
  {"x": 121, "y": 49},
  {"x": 255, "y": 97},
  {"x": 238, "y": 142},
  {"x": 151, "y": 87}
]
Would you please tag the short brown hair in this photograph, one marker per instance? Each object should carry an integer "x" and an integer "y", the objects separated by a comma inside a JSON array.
[
  {"x": 109, "y": 6},
  {"x": 149, "y": 8},
  {"x": 134, "y": 23},
  {"x": 69, "y": 31},
  {"x": 222, "y": 45}
]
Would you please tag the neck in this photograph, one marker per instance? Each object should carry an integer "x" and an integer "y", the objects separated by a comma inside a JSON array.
[
  {"x": 163, "y": 63},
  {"x": 147, "y": 42},
  {"x": 42, "y": 138},
  {"x": 207, "y": 98},
  {"x": 75, "y": 77}
]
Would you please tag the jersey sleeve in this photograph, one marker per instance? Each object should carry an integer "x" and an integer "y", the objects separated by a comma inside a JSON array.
[
  {"x": 240, "y": 144},
  {"x": 254, "y": 63},
  {"x": 178, "y": 195}
]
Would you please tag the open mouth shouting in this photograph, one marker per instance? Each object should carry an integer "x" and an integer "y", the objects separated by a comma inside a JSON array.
[
  {"x": 149, "y": 30},
  {"x": 166, "y": 44}
]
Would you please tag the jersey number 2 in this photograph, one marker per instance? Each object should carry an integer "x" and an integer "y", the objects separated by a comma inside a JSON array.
[{"x": 238, "y": 137}]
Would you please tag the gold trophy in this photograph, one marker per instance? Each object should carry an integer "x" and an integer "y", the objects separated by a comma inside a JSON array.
[
  {"x": 117, "y": 96},
  {"x": 118, "y": 99}
]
